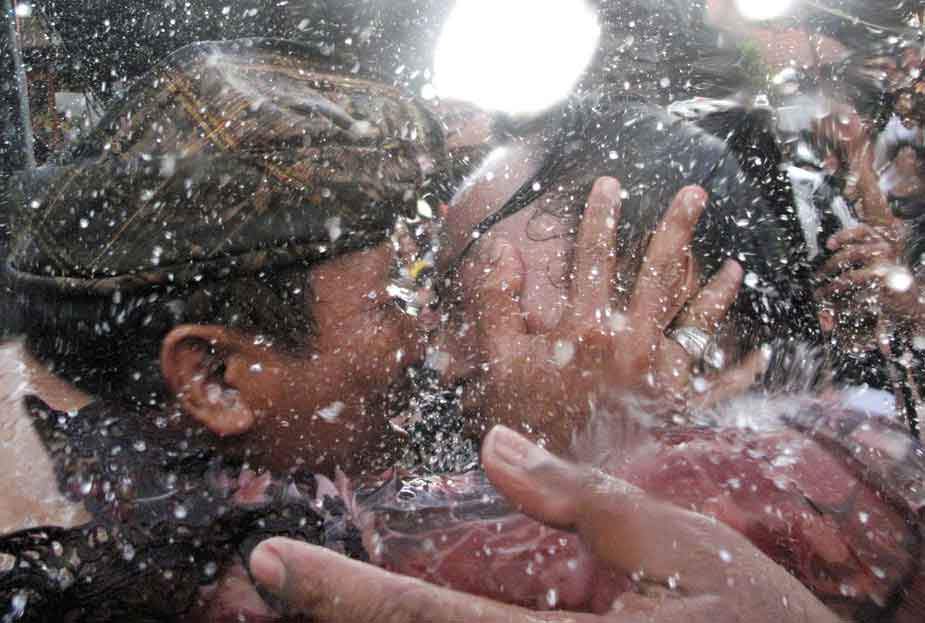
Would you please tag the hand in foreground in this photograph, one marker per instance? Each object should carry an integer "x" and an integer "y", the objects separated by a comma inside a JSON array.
[
  {"x": 544, "y": 382},
  {"x": 695, "y": 568}
]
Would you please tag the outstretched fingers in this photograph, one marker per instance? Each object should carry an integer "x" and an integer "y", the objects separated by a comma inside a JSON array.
[
  {"x": 856, "y": 255},
  {"x": 860, "y": 234},
  {"x": 499, "y": 315},
  {"x": 667, "y": 276},
  {"x": 850, "y": 283},
  {"x": 712, "y": 303},
  {"x": 595, "y": 255}
]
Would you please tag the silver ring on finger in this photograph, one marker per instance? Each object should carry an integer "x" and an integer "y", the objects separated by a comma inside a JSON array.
[{"x": 702, "y": 348}]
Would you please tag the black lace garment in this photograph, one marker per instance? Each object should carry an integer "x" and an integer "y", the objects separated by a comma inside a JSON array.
[{"x": 168, "y": 516}]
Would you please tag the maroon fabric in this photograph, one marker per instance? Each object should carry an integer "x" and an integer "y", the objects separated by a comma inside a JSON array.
[{"x": 837, "y": 503}]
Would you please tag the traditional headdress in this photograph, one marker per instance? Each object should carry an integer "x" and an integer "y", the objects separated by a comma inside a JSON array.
[{"x": 228, "y": 158}]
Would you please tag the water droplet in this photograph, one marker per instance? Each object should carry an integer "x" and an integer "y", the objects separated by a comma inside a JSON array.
[
  {"x": 563, "y": 353},
  {"x": 438, "y": 360},
  {"x": 210, "y": 569},
  {"x": 613, "y": 155},
  {"x": 18, "y": 605},
  {"x": 86, "y": 486},
  {"x": 256, "y": 368},
  {"x": 899, "y": 279},
  {"x": 180, "y": 511},
  {"x": 424, "y": 210},
  {"x": 84, "y": 223},
  {"x": 333, "y": 227},
  {"x": 331, "y": 412},
  {"x": 863, "y": 517},
  {"x": 552, "y": 597},
  {"x": 751, "y": 280},
  {"x": 725, "y": 556},
  {"x": 140, "y": 445},
  {"x": 618, "y": 322}
]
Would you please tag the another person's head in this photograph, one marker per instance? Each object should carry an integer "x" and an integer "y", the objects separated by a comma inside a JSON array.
[
  {"x": 654, "y": 155},
  {"x": 220, "y": 250}
]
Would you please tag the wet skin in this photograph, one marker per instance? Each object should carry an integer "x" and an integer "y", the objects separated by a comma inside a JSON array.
[
  {"x": 866, "y": 288},
  {"x": 319, "y": 405},
  {"x": 537, "y": 285}
]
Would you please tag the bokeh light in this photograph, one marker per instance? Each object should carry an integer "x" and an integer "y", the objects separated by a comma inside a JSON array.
[
  {"x": 758, "y": 10},
  {"x": 514, "y": 56}
]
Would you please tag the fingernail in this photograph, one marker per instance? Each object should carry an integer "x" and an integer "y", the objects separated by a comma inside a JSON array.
[
  {"x": 694, "y": 199},
  {"x": 609, "y": 187},
  {"x": 733, "y": 269},
  {"x": 514, "y": 449},
  {"x": 268, "y": 568}
]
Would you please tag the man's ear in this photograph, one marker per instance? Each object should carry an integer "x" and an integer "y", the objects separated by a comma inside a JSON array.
[{"x": 194, "y": 363}]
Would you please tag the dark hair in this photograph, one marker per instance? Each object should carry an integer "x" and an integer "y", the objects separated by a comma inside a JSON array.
[
  {"x": 749, "y": 216},
  {"x": 110, "y": 345},
  {"x": 663, "y": 50}
]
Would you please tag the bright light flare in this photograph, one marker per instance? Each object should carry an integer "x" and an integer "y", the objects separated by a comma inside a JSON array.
[
  {"x": 515, "y": 56},
  {"x": 759, "y": 10}
]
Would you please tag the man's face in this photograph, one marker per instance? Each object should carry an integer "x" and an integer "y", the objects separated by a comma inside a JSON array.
[
  {"x": 541, "y": 239},
  {"x": 322, "y": 405}
]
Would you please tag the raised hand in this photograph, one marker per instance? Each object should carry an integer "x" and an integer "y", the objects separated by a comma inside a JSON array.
[
  {"x": 546, "y": 383},
  {"x": 866, "y": 275}
]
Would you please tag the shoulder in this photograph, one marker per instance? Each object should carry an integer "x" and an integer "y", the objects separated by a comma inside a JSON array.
[{"x": 30, "y": 495}]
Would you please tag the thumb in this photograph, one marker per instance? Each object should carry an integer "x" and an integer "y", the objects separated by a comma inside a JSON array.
[
  {"x": 541, "y": 485},
  {"x": 335, "y": 589},
  {"x": 620, "y": 523}
]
